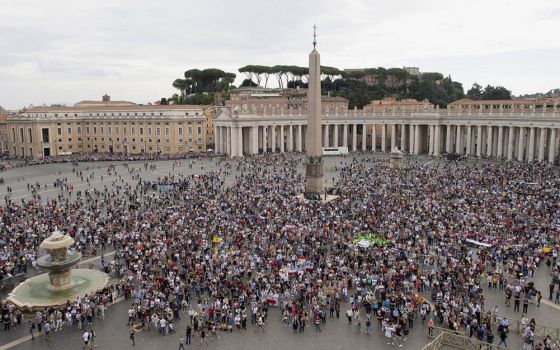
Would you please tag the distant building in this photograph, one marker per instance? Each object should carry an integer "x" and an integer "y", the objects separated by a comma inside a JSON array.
[
  {"x": 412, "y": 70},
  {"x": 4, "y": 131},
  {"x": 261, "y": 100},
  {"x": 107, "y": 126}
]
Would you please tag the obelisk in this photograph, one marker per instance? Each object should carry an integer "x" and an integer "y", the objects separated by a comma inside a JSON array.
[{"x": 314, "y": 184}]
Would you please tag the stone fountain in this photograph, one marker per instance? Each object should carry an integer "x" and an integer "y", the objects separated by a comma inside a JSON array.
[
  {"x": 61, "y": 283},
  {"x": 58, "y": 260}
]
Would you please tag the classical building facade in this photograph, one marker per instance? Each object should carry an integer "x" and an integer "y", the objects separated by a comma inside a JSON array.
[
  {"x": 4, "y": 132},
  {"x": 525, "y": 130},
  {"x": 107, "y": 126}
]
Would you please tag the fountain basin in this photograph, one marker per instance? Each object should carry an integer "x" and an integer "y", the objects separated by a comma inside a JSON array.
[
  {"x": 46, "y": 261},
  {"x": 35, "y": 294}
]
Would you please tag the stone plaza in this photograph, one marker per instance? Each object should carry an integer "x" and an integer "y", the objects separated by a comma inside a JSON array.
[{"x": 336, "y": 333}]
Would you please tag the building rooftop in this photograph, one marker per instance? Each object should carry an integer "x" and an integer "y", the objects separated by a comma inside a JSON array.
[{"x": 133, "y": 107}]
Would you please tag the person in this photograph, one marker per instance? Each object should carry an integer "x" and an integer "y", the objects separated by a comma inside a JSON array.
[
  {"x": 260, "y": 323},
  {"x": 489, "y": 337},
  {"x": 368, "y": 324},
  {"x": 181, "y": 345},
  {"x": 32, "y": 329},
  {"x": 47, "y": 330},
  {"x": 349, "y": 315},
  {"x": 389, "y": 329},
  {"x": 203, "y": 337},
  {"x": 431, "y": 327},
  {"x": 503, "y": 335},
  {"x": 317, "y": 321},
  {"x": 131, "y": 336},
  {"x": 85, "y": 338},
  {"x": 188, "y": 335},
  {"x": 91, "y": 342}
]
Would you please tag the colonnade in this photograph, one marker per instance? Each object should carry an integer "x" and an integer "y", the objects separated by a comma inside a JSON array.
[{"x": 524, "y": 143}]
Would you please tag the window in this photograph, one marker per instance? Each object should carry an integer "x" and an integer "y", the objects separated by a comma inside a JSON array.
[
  {"x": 95, "y": 130},
  {"x": 190, "y": 130},
  {"x": 141, "y": 131},
  {"x": 199, "y": 130},
  {"x": 30, "y": 136},
  {"x": 117, "y": 130},
  {"x": 79, "y": 130},
  {"x": 45, "y": 135},
  {"x": 69, "y": 131},
  {"x": 158, "y": 131},
  {"x": 166, "y": 131},
  {"x": 109, "y": 130},
  {"x": 150, "y": 132},
  {"x": 181, "y": 131},
  {"x": 87, "y": 130},
  {"x": 21, "y": 135},
  {"x": 14, "y": 135},
  {"x": 59, "y": 131}
]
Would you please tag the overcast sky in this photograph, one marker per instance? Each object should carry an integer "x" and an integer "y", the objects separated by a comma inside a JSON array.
[{"x": 61, "y": 51}]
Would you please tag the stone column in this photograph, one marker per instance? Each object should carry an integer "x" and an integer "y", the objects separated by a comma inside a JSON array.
[
  {"x": 273, "y": 138},
  {"x": 298, "y": 138},
  {"x": 459, "y": 141},
  {"x": 335, "y": 136},
  {"x": 393, "y": 137},
  {"x": 431, "y": 140},
  {"x": 282, "y": 140},
  {"x": 552, "y": 145},
  {"x": 254, "y": 140},
  {"x": 542, "y": 139},
  {"x": 479, "y": 141},
  {"x": 290, "y": 147},
  {"x": 373, "y": 138},
  {"x": 511, "y": 138},
  {"x": 411, "y": 135},
  {"x": 345, "y": 135},
  {"x": 383, "y": 137},
  {"x": 403, "y": 137},
  {"x": 417, "y": 139},
  {"x": 228, "y": 141},
  {"x": 521, "y": 143},
  {"x": 265, "y": 138},
  {"x": 354, "y": 137},
  {"x": 448, "y": 142},
  {"x": 217, "y": 139},
  {"x": 236, "y": 147},
  {"x": 500, "y": 141},
  {"x": 325, "y": 129},
  {"x": 469, "y": 140},
  {"x": 437, "y": 140},
  {"x": 489, "y": 141},
  {"x": 364, "y": 137},
  {"x": 531, "y": 152}
]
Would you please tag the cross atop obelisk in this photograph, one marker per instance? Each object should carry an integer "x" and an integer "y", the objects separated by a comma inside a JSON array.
[{"x": 314, "y": 184}]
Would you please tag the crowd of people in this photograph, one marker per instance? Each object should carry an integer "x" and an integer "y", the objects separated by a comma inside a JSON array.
[
  {"x": 95, "y": 157},
  {"x": 221, "y": 255}
]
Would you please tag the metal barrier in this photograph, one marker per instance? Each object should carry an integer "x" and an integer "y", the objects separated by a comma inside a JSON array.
[
  {"x": 540, "y": 331},
  {"x": 445, "y": 337}
]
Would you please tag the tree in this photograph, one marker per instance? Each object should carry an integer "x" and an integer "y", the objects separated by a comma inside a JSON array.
[
  {"x": 278, "y": 72},
  {"x": 475, "y": 92},
  {"x": 248, "y": 82},
  {"x": 163, "y": 101},
  {"x": 496, "y": 93}
]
